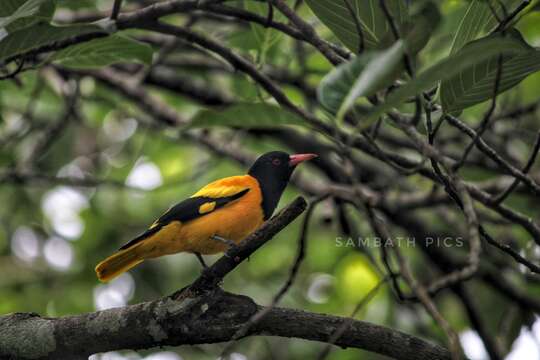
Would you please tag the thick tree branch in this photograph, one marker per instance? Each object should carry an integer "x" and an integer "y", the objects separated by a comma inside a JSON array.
[{"x": 198, "y": 319}]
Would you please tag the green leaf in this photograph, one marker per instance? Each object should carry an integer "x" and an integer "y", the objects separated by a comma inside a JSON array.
[
  {"x": 38, "y": 35},
  {"x": 362, "y": 76},
  {"x": 478, "y": 21},
  {"x": 10, "y": 6},
  {"x": 474, "y": 53},
  {"x": 335, "y": 85},
  {"x": 247, "y": 115},
  {"x": 335, "y": 15},
  {"x": 104, "y": 51},
  {"x": 425, "y": 18},
  {"x": 17, "y": 14},
  {"x": 476, "y": 84},
  {"x": 266, "y": 37}
]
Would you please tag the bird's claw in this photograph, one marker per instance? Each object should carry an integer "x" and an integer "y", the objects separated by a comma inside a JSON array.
[{"x": 228, "y": 242}]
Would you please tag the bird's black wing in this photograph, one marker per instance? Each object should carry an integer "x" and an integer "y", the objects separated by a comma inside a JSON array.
[{"x": 189, "y": 209}]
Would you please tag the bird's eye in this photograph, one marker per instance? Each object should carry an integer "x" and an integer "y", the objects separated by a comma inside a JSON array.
[{"x": 276, "y": 162}]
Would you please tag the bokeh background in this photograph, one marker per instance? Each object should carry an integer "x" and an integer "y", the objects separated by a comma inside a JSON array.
[{"x": 101, "y": 174}]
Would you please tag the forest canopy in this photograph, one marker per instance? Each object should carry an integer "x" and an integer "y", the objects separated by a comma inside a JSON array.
[{"x": 419, "y": 235}]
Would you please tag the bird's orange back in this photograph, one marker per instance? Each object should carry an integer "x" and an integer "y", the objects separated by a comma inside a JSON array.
[{"x": 234, "y": 221}]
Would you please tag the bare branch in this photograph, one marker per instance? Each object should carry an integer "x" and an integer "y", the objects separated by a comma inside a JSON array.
[
  {"x": 492, "y": 154},
  {"x": 116, "y": 9},
  {"x": 536, "y": 148},
  {"x": 503, "y": 24},
  {"x": 358, "y": 25},
  {"x": 309, "y": 32}
]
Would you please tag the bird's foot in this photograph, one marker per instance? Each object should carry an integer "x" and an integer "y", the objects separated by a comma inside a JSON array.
[{"x": 228, "y": 242}]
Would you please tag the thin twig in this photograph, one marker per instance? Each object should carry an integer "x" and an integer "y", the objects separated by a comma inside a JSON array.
[
  {"x": 489, "y": 113},
  {"x": 117, "y": 6},
  {"x": 15, "y": 72},
  {"x": 487, "y": 116},
  {"x": 452, "y": 193},
  {"x": 395, "y": 32},
  {"x": 503, "y": 24},
  {"x": 358, "y": 25},
  {"x": 270, "y": 14},
  {"x": 407, "y": 60},
  {"x": 493, "y": 155},
  {"x": 418, "y": 289},
  {"x": 387, "y": 242},
  {"x": 347, "y": 323},
  {"x": 507, "y": 249},
  {"x": 536, "y": 148},
  {"x": 429, "y": 305},
  {"x": 310, "y": 33}
]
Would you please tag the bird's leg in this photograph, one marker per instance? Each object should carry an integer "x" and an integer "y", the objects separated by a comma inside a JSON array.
[
  {"x": 228, "y": 242},
  {"x": 201, "y": 260}
]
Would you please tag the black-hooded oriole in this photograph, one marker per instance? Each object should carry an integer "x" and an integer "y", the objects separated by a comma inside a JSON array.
[{"x": 229, "y": 208}]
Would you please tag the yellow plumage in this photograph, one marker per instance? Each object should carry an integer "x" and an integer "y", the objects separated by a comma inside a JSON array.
[
  {"x": 118, "y": 263},
  {"x": 234, "y": 221}
]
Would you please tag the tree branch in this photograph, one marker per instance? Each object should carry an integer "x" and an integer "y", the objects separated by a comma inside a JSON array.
[
  {"x": 201, "y": 319},
  {"x": 213, "y": 275}
]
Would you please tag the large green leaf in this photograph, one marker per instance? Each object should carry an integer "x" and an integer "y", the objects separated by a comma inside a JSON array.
[
  {"x": 476, "y": 84},
  {"x": 478, "y": 20},
  {"x": 362, "y": 76},
  {"x": 102, "y": 52},
  {"x": 247, "y": 115},
  {"x": 38, "y": 35},
  {"x": 335, "y": 15},
  {"x": 17, "y": 14},
  {"x": 474, "y": 53}
]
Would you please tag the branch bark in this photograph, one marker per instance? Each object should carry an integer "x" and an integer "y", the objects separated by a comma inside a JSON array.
[{"x": 212, "y": 317}]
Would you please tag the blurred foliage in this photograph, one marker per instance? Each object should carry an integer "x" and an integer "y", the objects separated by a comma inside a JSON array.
[{"x": 52, "y": 235}]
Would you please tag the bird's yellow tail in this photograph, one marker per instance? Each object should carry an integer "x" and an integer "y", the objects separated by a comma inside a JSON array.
[{"x": 118, "y": 263}]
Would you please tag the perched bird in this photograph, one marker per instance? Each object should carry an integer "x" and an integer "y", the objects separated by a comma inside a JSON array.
[{"x": 219, "y": 215}]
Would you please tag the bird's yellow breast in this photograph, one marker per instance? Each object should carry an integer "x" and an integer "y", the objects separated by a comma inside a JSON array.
[{"x": 234, "y": 222}]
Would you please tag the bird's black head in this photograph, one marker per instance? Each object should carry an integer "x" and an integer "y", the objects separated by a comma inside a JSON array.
[{"x": 273, "y": 171}]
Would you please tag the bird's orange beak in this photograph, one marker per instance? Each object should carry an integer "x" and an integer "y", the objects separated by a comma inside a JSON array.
[{"x": 298, "y": 158}]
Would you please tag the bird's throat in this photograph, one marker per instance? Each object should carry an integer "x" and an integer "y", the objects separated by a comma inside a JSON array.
[{"x": 271, "y": 191}]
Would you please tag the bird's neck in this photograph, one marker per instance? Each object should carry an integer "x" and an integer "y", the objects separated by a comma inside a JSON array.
[{"x": 271, "y": 191}]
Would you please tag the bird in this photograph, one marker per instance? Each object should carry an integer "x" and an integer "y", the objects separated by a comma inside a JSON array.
[{"x": 216, "y": 217}]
